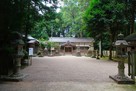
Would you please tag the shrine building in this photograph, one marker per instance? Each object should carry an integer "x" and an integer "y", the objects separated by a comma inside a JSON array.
[{"x": 70, "y": 45}]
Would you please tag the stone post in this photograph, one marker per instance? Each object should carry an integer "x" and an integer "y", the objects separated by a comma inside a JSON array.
[
  {"x": 121, "y": 68},
  {"x": 78, "y": 51},
  {"x": 97, "y": 56},
  {"x": 18, "y": 56},
  {"x": 94, "y": 54}
]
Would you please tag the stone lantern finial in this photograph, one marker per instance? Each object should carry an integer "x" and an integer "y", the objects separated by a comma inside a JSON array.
[{"x": 120, "y": 36}]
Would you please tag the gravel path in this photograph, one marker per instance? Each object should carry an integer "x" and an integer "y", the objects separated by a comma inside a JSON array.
[{"x": 68, "y": 73}]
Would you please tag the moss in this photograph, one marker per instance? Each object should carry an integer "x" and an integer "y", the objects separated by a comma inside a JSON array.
[
  {"x": 115, "y": 59},
  {"x": 131, "y": 87}
]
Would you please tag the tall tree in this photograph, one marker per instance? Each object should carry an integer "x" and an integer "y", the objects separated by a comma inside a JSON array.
[
  {"x": 20, "y": 16},
  {"x": 106, "y": 16},
  {"x": 72, "y": 15},
  {"x": 131, "y": 14},
  {"x": 48, "y": 25}
]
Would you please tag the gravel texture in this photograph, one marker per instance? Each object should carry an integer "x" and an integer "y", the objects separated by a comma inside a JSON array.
[{"x": 68, "y": 73}]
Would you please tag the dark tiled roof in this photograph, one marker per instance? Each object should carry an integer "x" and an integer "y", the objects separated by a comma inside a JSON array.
[
  {"x": 131, "y": 37},
  {"x": 31, "y": 39},
  {"x": 70, "y": 39},
  {"x": 68, "y": 44}
]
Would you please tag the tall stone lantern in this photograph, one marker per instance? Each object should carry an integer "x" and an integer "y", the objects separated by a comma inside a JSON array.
[
  {"x": 121, "y": 46},
  {"x": 17, "y": 75},
  {"x": 18, "y": 55}
]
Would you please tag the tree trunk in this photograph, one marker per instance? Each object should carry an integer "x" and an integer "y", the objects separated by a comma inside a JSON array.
[
  {"x": 110, "y": 55},
  {"x": 110, "y": 49},
  {"x": 132, "y": 19}
]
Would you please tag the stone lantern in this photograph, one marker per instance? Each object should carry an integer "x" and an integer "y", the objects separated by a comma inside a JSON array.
[
  {"x": 17, "y": 76},
  {"x": 19, "y": 54},
  {"x": 121, "y": 46},
  {"x": 78, "y": 51}
]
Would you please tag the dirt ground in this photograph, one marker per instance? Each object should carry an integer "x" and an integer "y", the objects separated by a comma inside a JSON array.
[{"x": 68, "y": 73}]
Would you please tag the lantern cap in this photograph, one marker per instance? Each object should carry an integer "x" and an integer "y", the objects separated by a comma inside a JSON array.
[
  {"x": 20, "y": 42},
  {"x": 120, "y": 36},
  {"x": 121, "y": 43}
]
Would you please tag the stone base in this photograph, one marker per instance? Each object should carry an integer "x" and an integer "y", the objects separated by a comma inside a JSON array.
[
  {"x": 93, "y": 56},
  {"x": 50, "y": 55},
  {"x": 97, "y": 57},
  {"x": 122, "y": 80},
  {"x": 78, "y": 54},
  {"x": 18, "y": 77}
]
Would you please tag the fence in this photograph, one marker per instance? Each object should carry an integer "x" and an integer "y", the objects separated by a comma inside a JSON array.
[{"x": 107, "y": 53}]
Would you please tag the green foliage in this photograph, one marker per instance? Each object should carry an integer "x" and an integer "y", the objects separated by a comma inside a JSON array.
[
  {"x": 82, "y": 18},
  {"x": 72, "y": 15},
  {"x": 39, "y": 30},
  {"x": 48, "y": 26},
  {"x": 105, "y": 16},
  {"x": 105, "y": 19},
  {"x": 26, "y": 54},
  {"x": 21, "y": 16},
  {"x": 52, "y": 44},
  {"x": 42, "y": 45},
  {"x": 87, "y": 14}
]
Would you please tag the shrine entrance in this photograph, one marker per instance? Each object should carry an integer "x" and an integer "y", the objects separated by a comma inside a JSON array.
[{"x": 68, "y": 48}]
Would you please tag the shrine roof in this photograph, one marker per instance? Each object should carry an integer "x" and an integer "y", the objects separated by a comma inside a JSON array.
[
  {"x": 131, "y": 37},
  {"x": 70, "y": 39}
]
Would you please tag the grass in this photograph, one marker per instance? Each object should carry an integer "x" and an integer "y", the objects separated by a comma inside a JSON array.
[{"x": 115, "y": 59}]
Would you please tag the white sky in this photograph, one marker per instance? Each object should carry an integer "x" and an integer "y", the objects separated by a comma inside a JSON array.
[{"x": 60, "y": 4}]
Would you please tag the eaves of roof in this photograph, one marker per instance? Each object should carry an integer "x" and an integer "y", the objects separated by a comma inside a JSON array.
[
  {"x": 70, "y": 39},
  {"x": 131, "y": 37}
]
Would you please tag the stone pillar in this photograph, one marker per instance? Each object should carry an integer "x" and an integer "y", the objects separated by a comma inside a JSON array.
[
  {"x": 64, "y": 50},
  {"x": 78, "y": 53},
  {"x": 121, "y": 68},
  {"x": 71, "y": 50},
  {"x": 97, "y": 56},
  {"x": 17, "y": 65},
  {"x": 94, "y": 54}
]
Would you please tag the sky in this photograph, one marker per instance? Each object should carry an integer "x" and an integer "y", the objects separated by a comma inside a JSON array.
[{"x": 60, "y": 4}]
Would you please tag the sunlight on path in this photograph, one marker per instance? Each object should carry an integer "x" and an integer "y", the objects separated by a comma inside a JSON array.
[{"x": 68, "y": 73}]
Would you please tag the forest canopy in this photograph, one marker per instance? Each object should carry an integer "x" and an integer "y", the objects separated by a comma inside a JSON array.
[{"x": 100, "y": 19}]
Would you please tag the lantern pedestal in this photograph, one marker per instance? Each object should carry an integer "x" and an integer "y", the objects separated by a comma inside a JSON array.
[
  {"x": 17, "y": 75},
  {"x": 94, "y": 54},
  {"x": 78, "y": 54},
  {"x": 97, "y": 57},
  {"x": 120, "y": 78}
]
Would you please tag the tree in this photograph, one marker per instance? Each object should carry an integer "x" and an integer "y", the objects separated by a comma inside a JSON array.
[
  {"x": 16, "y": 16},
  {"x": 21, "y": 15},
  {"x": 106, "y": 16},
  {"x": 72, "y": 15},
  {"x": 48, "y": 23},
  {"x": 130, "y": 14}
]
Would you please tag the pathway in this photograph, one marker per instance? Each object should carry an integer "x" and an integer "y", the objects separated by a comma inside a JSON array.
[{"x": 68, "y": 73}]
